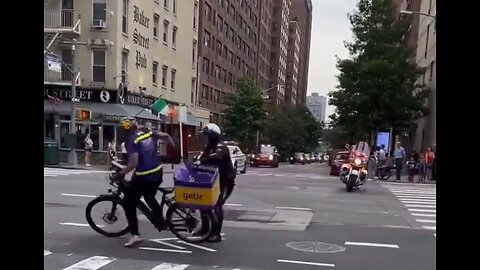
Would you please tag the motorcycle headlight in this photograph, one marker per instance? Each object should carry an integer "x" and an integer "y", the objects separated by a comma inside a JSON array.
[
  {"x": 270, "y": 157},
  {"x": 357, "y": 161}
]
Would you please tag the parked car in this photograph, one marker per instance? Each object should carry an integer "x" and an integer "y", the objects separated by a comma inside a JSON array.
[
  {"x": 325, "y": 158},
  {"x": 239, "y": 159},
  {"x": 317, "y": 157},
  {"x": 297, "y": 158},
  {"x": 341, "y": 158},
  {"x": 266, "y": 155}
]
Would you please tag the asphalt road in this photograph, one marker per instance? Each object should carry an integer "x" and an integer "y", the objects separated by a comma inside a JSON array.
[{"x": 299, "y": 217}]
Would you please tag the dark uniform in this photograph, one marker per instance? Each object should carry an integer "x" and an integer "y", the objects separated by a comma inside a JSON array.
[{"x": 219, "y": 156}]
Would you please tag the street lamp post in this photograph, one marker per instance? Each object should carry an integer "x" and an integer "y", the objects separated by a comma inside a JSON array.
[
  {"x": 72, "y": 156},
  {"x": 409, "y": 12}
]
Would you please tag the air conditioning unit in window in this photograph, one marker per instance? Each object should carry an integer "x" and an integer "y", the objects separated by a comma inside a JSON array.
[{"x": 99, "y": 24}]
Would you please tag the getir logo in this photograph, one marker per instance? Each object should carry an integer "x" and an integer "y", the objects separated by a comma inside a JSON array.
[{"x": 192, "y": 196}]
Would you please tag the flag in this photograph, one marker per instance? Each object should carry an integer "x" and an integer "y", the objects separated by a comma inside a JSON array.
[{"x": 160, "y": 106}]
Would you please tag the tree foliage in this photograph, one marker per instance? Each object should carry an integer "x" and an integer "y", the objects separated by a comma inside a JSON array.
[
  {"x": 292, "y": 129},
  {"x": 377, "y": 86},
  {"x": 245, "y": 114}
]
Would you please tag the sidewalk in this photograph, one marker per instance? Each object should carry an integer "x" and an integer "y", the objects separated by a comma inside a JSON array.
[{"x": 167, "y": 168}]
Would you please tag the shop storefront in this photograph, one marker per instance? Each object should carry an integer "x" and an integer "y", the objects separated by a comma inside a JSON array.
[{"x": 107, "y": 107}]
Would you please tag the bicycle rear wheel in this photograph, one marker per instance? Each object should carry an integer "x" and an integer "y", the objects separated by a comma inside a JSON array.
[{"x": 188, "y": 224}]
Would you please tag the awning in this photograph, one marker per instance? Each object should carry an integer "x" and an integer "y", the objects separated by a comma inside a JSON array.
[
  {"x": 66, "y": 107},
  {"x": 110, "y": 110},
  {"x": 192, "y": 120}
]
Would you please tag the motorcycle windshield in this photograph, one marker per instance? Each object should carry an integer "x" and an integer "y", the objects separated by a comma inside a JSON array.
[{"x": 361, "y": 150}]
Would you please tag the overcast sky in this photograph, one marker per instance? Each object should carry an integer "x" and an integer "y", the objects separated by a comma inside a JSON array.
[{"x": 330, "y": 28}]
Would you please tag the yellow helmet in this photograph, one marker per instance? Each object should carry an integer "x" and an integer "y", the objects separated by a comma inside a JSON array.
[{"x": 128, "y": 122}]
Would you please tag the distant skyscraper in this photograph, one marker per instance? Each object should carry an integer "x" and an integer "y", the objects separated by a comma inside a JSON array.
[{"x": 317, "y": 106}]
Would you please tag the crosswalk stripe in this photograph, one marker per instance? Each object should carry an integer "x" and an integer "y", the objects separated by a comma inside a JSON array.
[
  {"x": 170, "y": 266},
  {"x": 423, "y": 215},
  {"x": 46, "y": 253},
  {"x": 422, "y": 210},
  {"x": 416, "y": 197},
  {"x": 92, "y": 263},
  {"x": 416, "y": 193},
  {"x": 421, "y": 205},
  {"x": 426, "y": 220},
  {"x": 419, "y": 202},
  {"x": 430, "y": 227}
]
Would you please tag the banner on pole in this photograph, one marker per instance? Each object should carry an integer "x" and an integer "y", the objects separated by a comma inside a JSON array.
[
  {"x": 54, "y": 64},
  {"x": 182, "y": 114}
]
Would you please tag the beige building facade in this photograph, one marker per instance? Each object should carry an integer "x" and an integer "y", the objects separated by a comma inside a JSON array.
[
  {"x": 128, "y": 53},
  {"x": 426, "y": 132}
]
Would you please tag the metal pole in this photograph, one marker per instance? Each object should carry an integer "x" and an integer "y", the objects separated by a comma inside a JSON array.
[
  {"x": 72, "y": 156},
  {"x": 258, "y": 137},
  {"x": 181, "y": 139}
]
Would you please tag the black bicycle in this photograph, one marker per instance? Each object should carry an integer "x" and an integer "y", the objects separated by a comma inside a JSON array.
[{"x": 184, "y": 223}]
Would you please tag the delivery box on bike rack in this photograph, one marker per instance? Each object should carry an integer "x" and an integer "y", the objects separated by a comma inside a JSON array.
[{"x": 197, "y": 187}]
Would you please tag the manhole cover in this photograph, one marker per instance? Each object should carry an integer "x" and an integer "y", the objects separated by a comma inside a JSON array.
[{"x": 315, "y": 247}]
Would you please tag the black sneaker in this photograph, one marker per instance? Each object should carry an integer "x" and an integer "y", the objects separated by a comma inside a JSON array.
[
  {"x": 161, "y": 225},
  {"x": 216, "y": 238}
]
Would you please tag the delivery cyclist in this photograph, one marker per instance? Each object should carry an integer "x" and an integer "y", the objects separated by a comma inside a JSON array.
[
  {"x": 143, "y": 158},
  {"x": 217, "y": 153}
]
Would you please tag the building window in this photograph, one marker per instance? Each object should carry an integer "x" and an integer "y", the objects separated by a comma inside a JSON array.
[
  {"x": 204, "y": 90},
  {"x": 194, "y": 52},
  {"x": 431, "y": 70},
  {"x": 67, "y": 58},
  {"x": 124, "y": 68},
  {"x": 100, "y": 13},
  {"x": 426, "y": 42},
  {"x": 219, "y": 23},
  {"x": 218, "y": 72},
  {"x": 174, "y": 37},
  {"x": 225, "y": 52},
  {"x": 174, "y": 6},
  {"x": 165, "y": 31},
  {"x": 125, "y": 17},
  {"x": 195, "y": 10},
  {"x": 172, "y": 79},
  {"x": 164, "y": 76},
  {"x": 98, "y": 67},
  {"x": 219, "y": 48},
  {"x": 206, "y": 39},
  {"x": 208, "y": 12},
  {"x": 165, "y": 4},
  {"x": 156, "y": 20},
  {"x": 192, "y": 91},
  {"x": 206, "y": 65},
  {"x": 154, "y": 73}
]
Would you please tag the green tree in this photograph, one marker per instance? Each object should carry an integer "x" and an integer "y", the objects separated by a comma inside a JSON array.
[
  {"x": 292, "y": 129},
  {"x": 245, "y": 114},
  {"x": 378, "y": 85}
]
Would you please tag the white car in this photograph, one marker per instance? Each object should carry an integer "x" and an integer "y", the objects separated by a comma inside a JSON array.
[{"x": 239, "y": 159}]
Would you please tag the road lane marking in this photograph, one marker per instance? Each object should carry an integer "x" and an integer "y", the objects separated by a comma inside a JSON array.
[
  {"x": 426, "y": 220},
  {"x": 423, "y": 215},
  {"x": 46, "y": 253},
  {"x": 196, "y": 246},
  {"x": 265, "y": 174},
  {"x": 416, "y": 197},
  {"x": 166, "y": 244},
  {"x": 430, "y": 227},
  {"x": 233, "y": 204},
  {"x": 422, "y": 210},
  {"x": 170, "y": 266},
  {"x": 293, "y": 208},
  {"x": 77, "y": 224},
  {"x": 307, "y": 263},
  {"x": 420, "y": 205},
  {"x": 78, "y": 195},
  {"x": 92, "y": 263},
  {"x": 370, "y": 244},
  {"x": 413, "y": 191},
  {"x": 165, "y": 250}
]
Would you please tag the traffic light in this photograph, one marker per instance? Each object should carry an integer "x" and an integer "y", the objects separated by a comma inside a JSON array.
[{"x": 83, "y": 114}]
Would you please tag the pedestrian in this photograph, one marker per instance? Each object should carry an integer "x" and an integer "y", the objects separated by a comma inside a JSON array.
[
  {"x": 434, "y": 165},
  {"x": 382, "y": 155},
  {"x": 429, "y": 158},
  {"x": 422, "y": 169},
  {"x": 372, "y": 165},
  {"x": 399, "y": 155},
  {"x": 411, "y": 167},
  {"x": 88, "y": 149}
]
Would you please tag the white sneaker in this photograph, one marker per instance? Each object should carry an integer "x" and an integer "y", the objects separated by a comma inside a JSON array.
[{"x": 134, "y": 240}]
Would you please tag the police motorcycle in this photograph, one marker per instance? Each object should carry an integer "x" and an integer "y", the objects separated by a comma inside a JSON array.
[
  {"x": 353, "y": 174},
  {"x": 183, "y": 220}
]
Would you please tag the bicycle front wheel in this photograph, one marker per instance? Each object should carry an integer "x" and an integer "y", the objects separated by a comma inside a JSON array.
[
  {"x": 108, "y": 210},
  {"x": 190, "y": 225}
]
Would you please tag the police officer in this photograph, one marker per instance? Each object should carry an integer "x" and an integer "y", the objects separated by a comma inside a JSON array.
[
  {"x": 143, "y": 158},
  {"x": 217, "y": 153}
]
